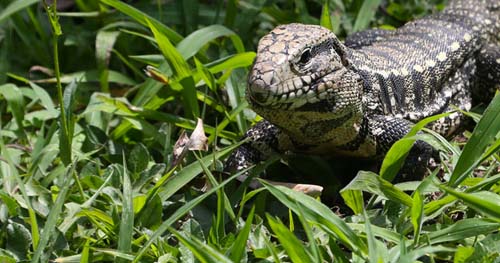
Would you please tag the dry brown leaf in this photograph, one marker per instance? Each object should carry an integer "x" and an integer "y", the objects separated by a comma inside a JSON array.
[
  {"x": 198, "y": 139},
  {"x": 196, "y": 142},
  {"x": 155, "y": 74},
  {"x": 180, "y": 148}
]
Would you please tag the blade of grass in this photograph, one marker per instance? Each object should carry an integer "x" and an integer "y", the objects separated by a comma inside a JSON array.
[
  {"x": 104, "y": 43},
  {"x": 366, "y": 14},
  {"x": 353, "y": 199},
  {"x": 142, "y": 18},
  {"x": 417, "y": 214},
  {"x": 396, "y": 155},
  {"x": 188, "y": 173},
  {"x": 196, "y": 40},
  {"x": 127, "y": 219},
  {"x": 238, "y": 248},
  {"x": 371, "y": 241},
  {"x": 317, "y": 212},
  {"x": 487, "y": 203},
  {"x": 182, "y": 72},
  {"x": 469, "y": 227},
  {"x": 202, "y": 251},
  {"x": 173, "y": 57},
  {"x": 68, "y": 123},
  {"x": 413, "y": 255},
  {"x": 55, "y": 211},
  {"x": 292, "y": 245},
  {"x": 325, "y": 20},
  {"x": 313, "y": 243},
  {"x": 14, "y": 7},
  {"x": 483, "y": 135},
  {"x": 372, "y": 183}
]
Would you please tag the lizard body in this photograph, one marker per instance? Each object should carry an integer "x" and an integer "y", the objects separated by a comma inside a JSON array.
[{"x": 321, "y": 96}]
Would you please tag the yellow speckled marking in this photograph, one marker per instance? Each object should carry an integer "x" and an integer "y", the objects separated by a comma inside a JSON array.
[
  {"x": 441, "y": 56},
  {"x": 430, "y": 63},
  {"x": 467, "y": 37},
  {"x": 418, "y": 68}
]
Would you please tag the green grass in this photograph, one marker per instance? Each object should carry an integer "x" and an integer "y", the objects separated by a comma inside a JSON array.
[{"x": 87, "y": 165}]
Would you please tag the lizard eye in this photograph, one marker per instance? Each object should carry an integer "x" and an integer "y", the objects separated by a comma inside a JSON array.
[{"x": 305, "y": 57}]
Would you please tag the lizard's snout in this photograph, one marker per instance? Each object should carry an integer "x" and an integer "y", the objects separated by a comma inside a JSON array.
[{"x": 257, "y": 91}]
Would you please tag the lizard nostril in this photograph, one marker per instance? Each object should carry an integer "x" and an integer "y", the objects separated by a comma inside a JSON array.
[
  {"x": 258, "y": 97},
  {"x": 258, "y": 91}
]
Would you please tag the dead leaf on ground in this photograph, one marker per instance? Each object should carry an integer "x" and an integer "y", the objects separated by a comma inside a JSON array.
[{"x": 196, "y": 142}]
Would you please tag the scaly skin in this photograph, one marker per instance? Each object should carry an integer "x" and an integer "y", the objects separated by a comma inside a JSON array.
[{"x": 320, "y": 96}]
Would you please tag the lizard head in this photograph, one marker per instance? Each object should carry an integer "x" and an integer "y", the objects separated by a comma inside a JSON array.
[{"x": 302, "y": 66}]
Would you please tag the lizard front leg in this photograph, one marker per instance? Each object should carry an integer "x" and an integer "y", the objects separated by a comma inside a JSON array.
[
  {"x": 263, "y": 140},
  {"x": 386, "y": 130}
]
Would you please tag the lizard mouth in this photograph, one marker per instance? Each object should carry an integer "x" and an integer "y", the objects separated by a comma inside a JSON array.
[{"x": 289, "y": 94}]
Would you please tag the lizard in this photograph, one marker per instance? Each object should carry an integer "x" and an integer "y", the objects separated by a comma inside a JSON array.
[{"x": 319, "y": 95}]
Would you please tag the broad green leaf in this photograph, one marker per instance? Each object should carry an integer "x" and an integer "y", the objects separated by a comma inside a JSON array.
[
  {"x": 189, "y": 46},
  {"x": 483, "y": 135},
  {"x": 353, "y": 199},
  {"x": 18, "y": 239},
  {"x": 15, "y": 100},
  {"x": 463, "y": 229},
  {"x": 138, "y": 159},
  {"x": 463, "y": 254},
  {"x": 372, "y": 183},
  {"x": 44, "y": 97},
  {"x": 292, "y": 245},
  {"x": 487, "y": 203},
  {"x": 10, "y": 203}
]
